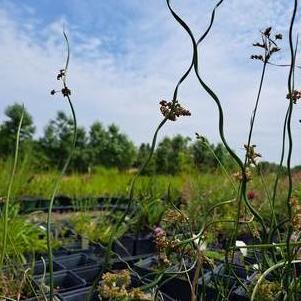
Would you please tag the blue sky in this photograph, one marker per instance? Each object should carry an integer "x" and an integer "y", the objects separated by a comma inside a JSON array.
[{"x": 127, "y": 55}]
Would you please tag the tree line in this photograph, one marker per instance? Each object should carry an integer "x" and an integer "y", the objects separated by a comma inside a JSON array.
[{"x": 104, "y": 146}]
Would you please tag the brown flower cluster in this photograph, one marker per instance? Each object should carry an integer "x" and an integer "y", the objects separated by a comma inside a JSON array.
[
  {"x": 294, "y": 96},
  {"x": 115, "y": 286},
  {"x": 65, "y": 90},
  {"x": 173, "y": 216},
  {"x": 251, "y": 154},
  {"x": 268, "y": 43},
  {"x": 173, "y": 110},
  {"x": 164, "y": 244},
  {"x": 247, "y": 175}
]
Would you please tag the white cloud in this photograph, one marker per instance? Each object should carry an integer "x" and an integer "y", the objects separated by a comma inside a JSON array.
[{"x": 126, "y": 88}]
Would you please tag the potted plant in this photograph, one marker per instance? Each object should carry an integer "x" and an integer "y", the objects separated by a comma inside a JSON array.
[
  {"x": 62, "y": 281},
  {"x": 120, "y": 285}
]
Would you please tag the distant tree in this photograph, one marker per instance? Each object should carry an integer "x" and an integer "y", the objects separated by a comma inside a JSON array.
[
  {"x": 9, "y": 129},
  {"x": 202, "y": 156},
  {"x": 163, "y": 155},
  {"x": 173, "y": 155},
  {"x": 120, "y": 151},
  {"x": 81, "y": 159},
  {"x": 269, "y": 167},
  {"x": 98, "y": 143},
  {"x": 57, "y": 143},
  {"x": 142, "y": 156}
]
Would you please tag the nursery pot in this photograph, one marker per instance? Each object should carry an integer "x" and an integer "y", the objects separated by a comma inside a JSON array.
[
  {"x": 79, "y": 246},
  {"x": 39, "y": 267},
  {"x": 28, "y": 204},
  {"x": 63, "y": 281},
  {"x": 223, "y": 277},
  {"x": 90, "y": 274},
  {"x": 124, "y": 246},
  {"x": 144, "y": 244},
  {"x": 87, "y": 293},
  {"x": 75, "y": 261}
]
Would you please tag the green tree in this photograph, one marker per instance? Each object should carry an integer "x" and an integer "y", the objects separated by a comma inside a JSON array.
[
  {"x": 8, "y": 130},
  {"x": 57, "y": 142},
  {"x": 173, "y": 155},
  {"x": 120, "y": 151},
  {"x": 202, "y": 156},
  {"x": 142, "y": 156},
  {"x": 163, "y": 155},
  {"x": 98, "y": 143}
]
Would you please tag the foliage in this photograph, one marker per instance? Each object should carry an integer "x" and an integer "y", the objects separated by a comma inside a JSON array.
[
  {"x": 97, "y": 229},
  {"x": 23, "y": 237},
  {"x": 8, "y": 130},
  {"x": 14, "y": 284},
  {"x": 117, "y": 287},
  {"x": 106, "y": 147}
]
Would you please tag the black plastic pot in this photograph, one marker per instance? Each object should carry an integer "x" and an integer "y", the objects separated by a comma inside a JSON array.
[
  {"x": 63, "y": 281},
  {"x": 83, "y": 294},
  {"x": 90, "y": 274},
  {"x": 93, "y": 273},
  {"x": 177, "y": 288},
  {"x": 28, "y": 204},
  {"x": 146, "y": 267},
  {"x": 134, "y": 244},
  {"x": 222, "y": 282},
  {"x": 118, "y": 264},
  {"x": 219, "y": 287},
  {"x": 144, "y": 244},
  {"x": 75, "y": 261},
  {"x": 42, "y": 204},
  {"x": 62, "y": 200},
  {"x": 76, "y": 246},
  {"x": 121, "y": 200},
  {"x": 41, "y": 298},
  {"x": 124, "y": 246},
  {"x": 62, "y": 209},
  {"x": 99, "y": 250},
  {"x": 40, "y": 269}
]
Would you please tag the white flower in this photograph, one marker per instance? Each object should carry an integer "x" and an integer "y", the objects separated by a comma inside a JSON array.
[
  {"x": 240, "y": 243},
  {"x": 199, "y": 242}
]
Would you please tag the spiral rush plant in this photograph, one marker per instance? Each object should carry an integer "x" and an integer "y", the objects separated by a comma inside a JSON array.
[
  {"x": 171, "y": 110},
  {"x": 66, "y": 92}
]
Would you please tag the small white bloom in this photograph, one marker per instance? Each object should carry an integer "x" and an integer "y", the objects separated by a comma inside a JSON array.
[
  {"x": 255, "y": 266},
  {"x": 199, "y": 242},
  {"x": 240, "y": 243},
  {"x": 43, "y": 228}
]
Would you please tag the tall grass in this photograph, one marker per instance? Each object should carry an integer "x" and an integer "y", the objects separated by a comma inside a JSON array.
[{"x": 9, "y": 191}]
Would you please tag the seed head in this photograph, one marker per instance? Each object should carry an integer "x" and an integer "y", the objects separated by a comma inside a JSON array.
[
  {"x": 173, "y": 110},
  {"x": 294, "y": 96}
]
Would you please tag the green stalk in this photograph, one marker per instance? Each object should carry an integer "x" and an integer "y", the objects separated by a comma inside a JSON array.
[
  {"x": 262, "y": 277},
  {"x": 60, "y": 177},
  {"x": 11, "y": 181},
  {"x": 154, "y": 140},
  {"x": 220, "y": 112},
  {"x": 290, "y": 146}
]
